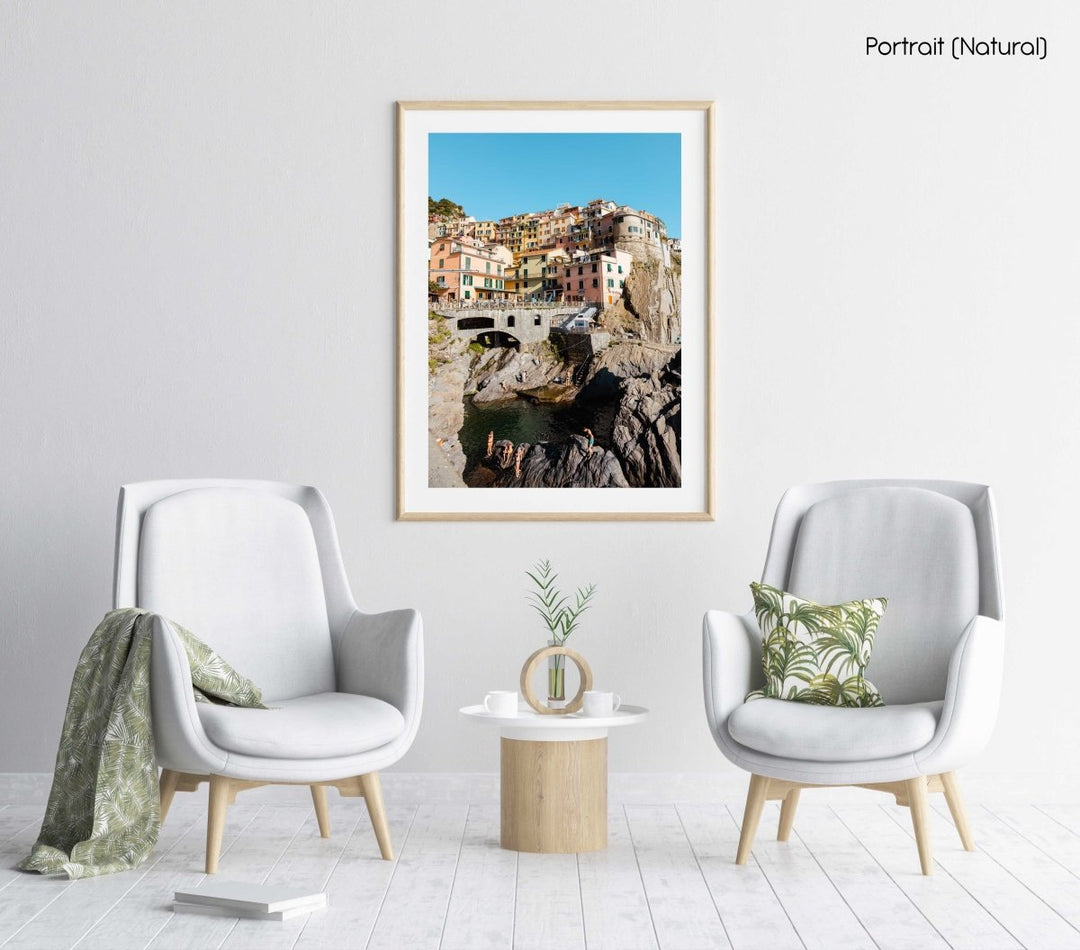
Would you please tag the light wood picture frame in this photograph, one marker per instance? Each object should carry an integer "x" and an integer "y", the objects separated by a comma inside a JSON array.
[{"x": 555, "y": 310}]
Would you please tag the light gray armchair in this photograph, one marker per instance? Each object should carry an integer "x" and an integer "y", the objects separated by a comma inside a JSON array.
[
  {"x": 930, "y": 547},
  {"x": 253, "y": 568}
]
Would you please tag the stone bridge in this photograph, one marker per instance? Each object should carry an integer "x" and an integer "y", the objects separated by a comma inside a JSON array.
[{"x": 506, "y": 326}]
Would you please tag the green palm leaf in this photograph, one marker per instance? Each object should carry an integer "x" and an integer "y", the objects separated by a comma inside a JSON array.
[
  {"x": 838, "y": 647},
  {"x": 816, "y": 653},
  {"x": 559, "y": 615}
]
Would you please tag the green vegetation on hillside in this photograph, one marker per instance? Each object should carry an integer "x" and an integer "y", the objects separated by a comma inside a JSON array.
[
  {"x": 438, "y": 330},
  {"x": 444, "y": 208}
]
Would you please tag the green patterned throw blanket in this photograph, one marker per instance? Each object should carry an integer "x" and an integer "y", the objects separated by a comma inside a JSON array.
[{"x": 103, "y": 813}]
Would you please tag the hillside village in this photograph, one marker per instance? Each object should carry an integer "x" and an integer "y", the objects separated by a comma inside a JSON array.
[
  {"x": 577, "y": 305},
  {"x": 570, "y": 254}
]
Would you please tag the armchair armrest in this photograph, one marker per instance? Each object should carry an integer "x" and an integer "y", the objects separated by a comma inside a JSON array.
[
  {"x": 731, "y": 665},
  {"x": 972, "y": 694},
  {"x": 180, "y": 742},
  {"x": 382, "y": 655}
]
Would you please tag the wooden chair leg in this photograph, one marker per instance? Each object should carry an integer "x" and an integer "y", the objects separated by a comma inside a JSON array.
[
  {"x": 167, "y": 783},
  {"x": 955, "y": 802},
  {"x": 755, "y": 801},
  {"x": 215, "y": 820},
  {"x": 377, "y": 811},
  {"x": 787, "y": 814},
  {"x": 920, "y": 820},
  {"x": 322, "y": 809}
]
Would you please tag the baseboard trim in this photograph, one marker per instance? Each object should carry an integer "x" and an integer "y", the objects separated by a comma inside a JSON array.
[{"x": 623, "y": 788}]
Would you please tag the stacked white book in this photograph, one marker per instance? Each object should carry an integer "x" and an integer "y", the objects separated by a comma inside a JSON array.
[{"x": 243, "y": 899}]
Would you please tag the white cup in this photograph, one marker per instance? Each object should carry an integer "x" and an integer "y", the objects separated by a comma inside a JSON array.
[
  {"x": 598, "y": 703},
  {"x": 502, "y": 702}
]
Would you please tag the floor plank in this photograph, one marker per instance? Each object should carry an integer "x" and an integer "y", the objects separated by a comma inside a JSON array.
[
  {"x": 1054, "y": 883},
  {"x": 65, "y": 918},
  {"x": 133, "y": 921},
  {"x": 753, "y": 916},
  {"x": 481, "y": 911},
  {"x": 24, "y": 898},
  {"x": 1026, "y": 916},
  {"x": 960, "y": 919},
  {"x": 667, "y": 881},
  {"x": 818, "y": 912},
  {"x": 357, "y": 885},
  {"x": 256, "y": 850},
  {"x": 548, "y": 903},
  {"x": 1049, "y": 836},
  {"x": 416, "y": 900},
  {"x": 12, "y": 851},
  {"x": 17, "y": 819},
  {"x": 888, "y": 914},
  {"x": 19, "y": 828},
  {"x": 614, "y": 906},
  {"x": 1068, "y": 816},
  {"x": 307, "y": 863},
  {"x": 683, "y": 911}
]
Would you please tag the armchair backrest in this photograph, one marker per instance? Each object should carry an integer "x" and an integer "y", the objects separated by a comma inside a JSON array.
[
  {"x": 251, "y": 568},
  {"x": 930, "y": 547}
]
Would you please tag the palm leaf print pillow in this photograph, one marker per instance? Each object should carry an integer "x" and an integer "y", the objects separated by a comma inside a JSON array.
[{"x": 812, "y": 653}]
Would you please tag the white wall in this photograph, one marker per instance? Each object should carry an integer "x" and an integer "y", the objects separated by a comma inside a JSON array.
[{"x": 196, "y": 277}]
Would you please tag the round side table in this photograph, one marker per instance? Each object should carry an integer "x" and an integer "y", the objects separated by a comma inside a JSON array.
[{"x": 554, "y": 777}]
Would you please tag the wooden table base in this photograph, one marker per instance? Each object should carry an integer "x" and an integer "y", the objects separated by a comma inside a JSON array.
[{"x": 554, "y": 796}]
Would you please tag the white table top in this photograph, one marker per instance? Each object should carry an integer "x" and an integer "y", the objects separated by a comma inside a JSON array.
[{"x": 530, "y": 724}]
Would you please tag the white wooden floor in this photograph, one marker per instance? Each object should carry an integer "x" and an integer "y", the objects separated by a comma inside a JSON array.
[{"x": 848, "y": 878}]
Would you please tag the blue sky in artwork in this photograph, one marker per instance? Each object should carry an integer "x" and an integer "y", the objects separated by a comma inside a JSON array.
[{"x": 496, "y": 174}]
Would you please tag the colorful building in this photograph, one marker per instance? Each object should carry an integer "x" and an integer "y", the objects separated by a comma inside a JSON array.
[
  {"x": 596, "y": 277},
  {"x": 519, "y": 232},
  {"x": 555, "y": 228},
  {"x": 570, "y": 252},
  {"x": 468, "y": 269},
  {"x": 536, "y": 275},
  {"x": 588, "y": 232},
  {"x": 482, "y": 231},
  {"x": 628, "y": 226}
]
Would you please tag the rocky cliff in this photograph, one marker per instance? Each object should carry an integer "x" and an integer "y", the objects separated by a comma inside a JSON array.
[
  {"x": 622, "y": 361},
  {"x": 449, "y": 362},
  {"x": 651, "y": 305},
  {"x": 502, "y": 373},
  {"x": 646, "y": 439},
  {"x": 647, "y": 434},
  {"x": 643, "y": 375},
  {"x": 554, "y": 465},
  {"x": 458, "y": 370}
]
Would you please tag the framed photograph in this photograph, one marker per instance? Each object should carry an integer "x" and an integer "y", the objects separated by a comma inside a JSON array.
[{"x": 555, "y": 310}]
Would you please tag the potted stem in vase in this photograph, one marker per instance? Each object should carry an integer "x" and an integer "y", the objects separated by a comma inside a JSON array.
[{"x": 561, "y": 618}]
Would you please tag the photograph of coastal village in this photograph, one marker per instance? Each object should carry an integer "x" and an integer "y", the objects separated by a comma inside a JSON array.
[{"x": 554, "y": 318}]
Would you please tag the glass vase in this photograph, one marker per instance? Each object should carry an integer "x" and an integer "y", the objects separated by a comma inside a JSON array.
[{"x": 556, "y": 679}]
